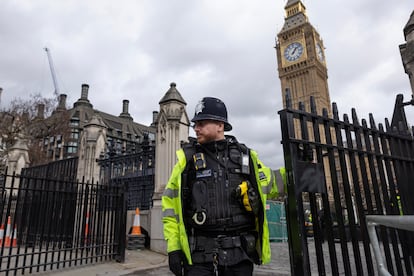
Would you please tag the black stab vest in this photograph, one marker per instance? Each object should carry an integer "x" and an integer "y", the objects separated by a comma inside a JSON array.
[{"x": 210, "y": 187}]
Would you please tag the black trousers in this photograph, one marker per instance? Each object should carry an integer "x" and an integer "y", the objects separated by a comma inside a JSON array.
[{"x": 244, "y": 268}]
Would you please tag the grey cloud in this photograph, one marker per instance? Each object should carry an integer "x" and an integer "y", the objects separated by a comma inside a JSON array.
[{"x": 134, "y": 49}]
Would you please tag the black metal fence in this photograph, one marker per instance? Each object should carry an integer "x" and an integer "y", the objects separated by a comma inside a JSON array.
[
  {"x": 139, "y": 189},
  {"x": 62, "y": 169},
  {"x": 136, "y": 171},
  {"x": 338, "y": 172},
  {"x": 55, "y": 222}
]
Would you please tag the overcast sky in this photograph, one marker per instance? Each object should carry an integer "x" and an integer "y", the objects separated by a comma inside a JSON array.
[{"x": 224, "y": 48}]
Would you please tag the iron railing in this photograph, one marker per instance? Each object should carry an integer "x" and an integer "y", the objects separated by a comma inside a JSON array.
[
  {"x": 51, "y": 223},
  {"x": 344, "y": 170},
  {"x": 136, "y": 171}
]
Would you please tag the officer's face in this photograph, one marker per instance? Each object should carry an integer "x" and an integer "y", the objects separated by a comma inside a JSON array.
[{"x": 209, "y": 130}]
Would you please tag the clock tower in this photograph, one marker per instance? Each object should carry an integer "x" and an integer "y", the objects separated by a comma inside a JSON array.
[{"x": 301, "y": 59}]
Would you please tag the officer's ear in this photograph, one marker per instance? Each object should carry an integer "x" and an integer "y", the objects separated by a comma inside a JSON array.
[{"x": 221, "y": 125}]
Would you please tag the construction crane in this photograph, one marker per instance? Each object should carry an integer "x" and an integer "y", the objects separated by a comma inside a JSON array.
[{"x": 52, "y": 70}]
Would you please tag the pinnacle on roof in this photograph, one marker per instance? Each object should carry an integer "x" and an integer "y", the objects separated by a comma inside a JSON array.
[
  {"x": 172, "y": 95},
  {"x": 410, "y": 25}
]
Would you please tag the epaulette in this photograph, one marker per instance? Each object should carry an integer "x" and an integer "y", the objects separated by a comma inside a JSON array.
[
  {"x": 189, "y": 148},
  {"x": 232, "y": 140}
]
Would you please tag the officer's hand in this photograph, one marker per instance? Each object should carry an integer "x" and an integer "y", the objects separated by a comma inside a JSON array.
[{"x": 176, "y": 261}]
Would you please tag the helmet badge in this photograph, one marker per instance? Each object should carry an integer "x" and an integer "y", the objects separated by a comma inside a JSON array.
[{"x": 199, "y": 107}]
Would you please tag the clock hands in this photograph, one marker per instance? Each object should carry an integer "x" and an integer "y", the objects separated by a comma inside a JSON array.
[{"x": 293, "y": 51}]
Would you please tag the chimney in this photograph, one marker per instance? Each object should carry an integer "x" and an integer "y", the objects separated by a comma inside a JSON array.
[
  {"x": 25, "y": 116},
  {"x": 125, "y": 113},
  {"x": 84, "y": 97},
  {"x": 85, "y": 88},
  {"x": 40, "y": 111},
  {"x": 62, "y": 103},
  {"x": 125, "y": 106},
  {"x": 154, "y": 116}
]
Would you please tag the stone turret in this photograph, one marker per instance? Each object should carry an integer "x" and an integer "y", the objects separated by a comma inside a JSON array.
[
  {"x": 18, "y": 158},
  {"x": 92, "y": 143},
  {"x": 172, "y": 128}
]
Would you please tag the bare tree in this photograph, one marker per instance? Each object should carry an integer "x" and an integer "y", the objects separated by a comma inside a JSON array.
[{"x": 35, "y": 120}]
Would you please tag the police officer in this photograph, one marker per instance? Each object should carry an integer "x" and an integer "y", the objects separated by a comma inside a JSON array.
[{"x": 214, "y": 202}]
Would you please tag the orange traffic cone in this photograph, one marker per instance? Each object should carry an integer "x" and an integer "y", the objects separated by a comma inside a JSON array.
[
  {"x": 1, "y": 233},
  {"x": 136, "y": 227},
  {"x": 14, "y": 239},
  {"x": 87, "y": 226},
  {"x": 7, "y": 240}
]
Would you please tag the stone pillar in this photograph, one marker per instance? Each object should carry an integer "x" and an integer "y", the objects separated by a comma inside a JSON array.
[
  {"x": 172, "y": 126},
  {"x": 18, "y": 158},
  {"x": 92, "y": 143}
]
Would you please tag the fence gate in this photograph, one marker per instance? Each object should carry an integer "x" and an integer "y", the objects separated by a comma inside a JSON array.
[{"x": 339, "y": 171}]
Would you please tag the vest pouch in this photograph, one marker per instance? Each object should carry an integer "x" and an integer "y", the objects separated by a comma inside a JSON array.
[{"x": 248, "y": 243}]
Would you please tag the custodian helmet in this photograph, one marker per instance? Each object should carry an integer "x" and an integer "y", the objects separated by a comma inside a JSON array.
[{"x": 211, "y": 109}]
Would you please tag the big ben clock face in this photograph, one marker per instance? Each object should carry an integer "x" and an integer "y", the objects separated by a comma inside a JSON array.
[
  {"x": 319, "y": 52},
  {"x": 293, "y": 51}
]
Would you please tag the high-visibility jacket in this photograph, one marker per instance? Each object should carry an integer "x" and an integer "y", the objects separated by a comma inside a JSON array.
[
  {"x": 270, "y": 186},
  {"x": 280, "y": 180},
  {"x": 174, "y": 227}
]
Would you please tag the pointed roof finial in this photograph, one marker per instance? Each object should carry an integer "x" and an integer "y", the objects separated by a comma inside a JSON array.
[
  {"x": 410, "y": 26},
  {"x": 172, "y": 95}
]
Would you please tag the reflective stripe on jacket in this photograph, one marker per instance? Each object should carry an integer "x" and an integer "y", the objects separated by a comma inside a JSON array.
[
  {"x": 174, "y": 228},
  {"x": 268, "y": 181}
]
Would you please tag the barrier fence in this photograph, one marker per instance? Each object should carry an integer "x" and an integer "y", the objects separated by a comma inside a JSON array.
[{"x": 276, "y": 216}]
